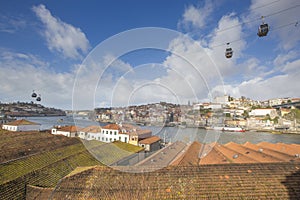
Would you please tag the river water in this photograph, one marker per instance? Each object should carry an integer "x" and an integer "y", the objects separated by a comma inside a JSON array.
[{"x": 172, "y": 134}]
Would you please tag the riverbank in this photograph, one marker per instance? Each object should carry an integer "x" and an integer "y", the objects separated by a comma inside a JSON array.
[{"x": 276, "y": 131}]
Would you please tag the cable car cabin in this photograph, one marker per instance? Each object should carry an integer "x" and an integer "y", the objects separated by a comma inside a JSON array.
[
  {"x": 33, "y": 95},
  {"x": 263, "y": 30},
  {"x": 228, "y": 53},
  {"x": 38, "y": 98}
]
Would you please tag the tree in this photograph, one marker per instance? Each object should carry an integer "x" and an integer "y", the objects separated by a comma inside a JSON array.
[{"x": 245, "y": 114}]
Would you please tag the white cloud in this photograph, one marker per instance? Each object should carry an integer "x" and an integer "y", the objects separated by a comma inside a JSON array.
[
  {"x": 235, "y": 36},
  {"x": 11, "y": 24},
  {"x": 62, "y": 37},
  {"x": 284, "y": 84},
  {"x": 278, "y": 15},
  {"x": 204, "y": 68},
  {"x": 197, "y": 17},
  {"x": 283, "y": 58},
  {"x": 22, "y": 73}
]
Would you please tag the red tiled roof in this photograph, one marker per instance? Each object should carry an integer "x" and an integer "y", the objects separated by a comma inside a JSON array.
[
  {"x": 112, "y": 127},
  {"x": 70, "y": 129},
  {"x": 150, "y": 140},
  {"x": 92, "y": 129},
  {"x": 21, "y": 122},
  {"x": 232, "y": 181},
  {"x": 215, "y": 153},
  {"x": 139, "y": 132}
]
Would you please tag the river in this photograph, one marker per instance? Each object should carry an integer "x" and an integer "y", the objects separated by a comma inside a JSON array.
[{"x": 172, "y": 134}]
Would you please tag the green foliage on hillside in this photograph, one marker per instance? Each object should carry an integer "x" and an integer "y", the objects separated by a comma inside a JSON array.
[
  {"x": 294, "y": 114},
  {"x": 43, "y": 168},
  {"x": 128, "y": 147},
  {"x": 17, "y": 168}
]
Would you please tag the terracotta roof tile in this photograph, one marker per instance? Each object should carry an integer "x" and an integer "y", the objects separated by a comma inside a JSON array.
[
  {"x": 21, "y": 122},
  {"x": 150, "y": 140},
  {"x": 230, "y": 181},
  {"x": 70, "y": 129},
  {"x": 240, "y": 153},
  {"x": 92, "y": 129},
  {"x": 112, "y": 127}
]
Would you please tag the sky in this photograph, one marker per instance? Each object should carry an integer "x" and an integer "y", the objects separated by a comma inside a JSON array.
[{"x": 108, "y": 53}]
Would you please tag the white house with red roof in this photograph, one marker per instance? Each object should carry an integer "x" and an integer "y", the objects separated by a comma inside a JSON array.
[
  {"x": 91, "y": 133},
  {"x": 114, "y": 132},
  {"x": 69, "y": 131},
  {"x": 21, "y": 125}
]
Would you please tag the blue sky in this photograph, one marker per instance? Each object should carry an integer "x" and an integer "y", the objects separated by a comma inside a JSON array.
[{"x": 53, "y": 47}]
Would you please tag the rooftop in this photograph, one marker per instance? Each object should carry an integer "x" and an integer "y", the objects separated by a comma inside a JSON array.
[
  {"x": 215, "y": 153},
  {"x": 70, "y": 129},
  {"x": 21, "y": 122},
  {"x": 233, "y": 181},
  {"x": 112, "y": 127},
  {"x": 150, "y": 140},
  {"x": 92, "y": 129}
]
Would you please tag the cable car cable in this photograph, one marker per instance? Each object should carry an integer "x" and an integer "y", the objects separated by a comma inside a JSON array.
[
  {"x": 295, "y": 23},
  {"x": 257, "y": 19}
]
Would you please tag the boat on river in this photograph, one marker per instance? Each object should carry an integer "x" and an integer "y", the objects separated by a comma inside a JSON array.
[{"x": 226, "y": 128}]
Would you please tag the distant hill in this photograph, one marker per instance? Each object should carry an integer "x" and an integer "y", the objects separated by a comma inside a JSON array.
[{"x": 24, "y": 109}]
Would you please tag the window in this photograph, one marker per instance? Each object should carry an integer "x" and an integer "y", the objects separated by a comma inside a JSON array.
[
  {"x": 102, "y": 138},
  {"x": 110, "y": 132},
  {"x": 106, "y": 132},
  {"x": 106, "y": 139},
  {"x": 115, "y": 132},
  {"x": 120, "y": 138}
]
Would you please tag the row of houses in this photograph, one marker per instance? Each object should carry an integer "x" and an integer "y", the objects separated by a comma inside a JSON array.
[{"x": 126, "y": 133}]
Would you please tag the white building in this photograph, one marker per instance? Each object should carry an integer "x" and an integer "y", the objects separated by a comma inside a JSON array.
[
  {"x": 262, "y": 112},
  {"x": 112, "y": 132},
  {"x": 221, "y": 99},
  {"x": 69, "y": 131},
  {"x": 90, "y": 133},
  {"x": 21, "y": 125},
  {"x": 213, "y": 106}
]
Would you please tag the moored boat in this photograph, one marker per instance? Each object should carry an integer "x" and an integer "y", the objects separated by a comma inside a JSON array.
[{"x": 227, "y": 128}]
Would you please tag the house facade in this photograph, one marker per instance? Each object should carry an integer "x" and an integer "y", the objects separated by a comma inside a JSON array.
[
  {"x": 150, "y": 144},
  {"x": 68, "y": 131},
  {"x": 138, "y": 135},
  {"x": 21, "y": 125},
  {"x": 262, "y": 112},
  {"x": 90, "y": 133},
  {"x": 108, "y": 133}
]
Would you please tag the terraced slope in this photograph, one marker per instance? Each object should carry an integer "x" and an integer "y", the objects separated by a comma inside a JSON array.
[
  {"x": 19, "y": 144},
  {"x": 230, "y": 181},
  {"x": 110, "y": 153},
  {"x": 42, "y": 159}
]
